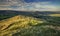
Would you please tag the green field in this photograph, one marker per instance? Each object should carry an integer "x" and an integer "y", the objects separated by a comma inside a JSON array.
[{"x": 29, "y": 25}]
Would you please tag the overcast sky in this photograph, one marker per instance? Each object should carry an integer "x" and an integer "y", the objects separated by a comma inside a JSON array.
[{"x": 30, "y": 5}]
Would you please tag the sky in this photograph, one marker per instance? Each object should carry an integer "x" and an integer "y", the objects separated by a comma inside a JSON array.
[{"x": 30, "y": 5}]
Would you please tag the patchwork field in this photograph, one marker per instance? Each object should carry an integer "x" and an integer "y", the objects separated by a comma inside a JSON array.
[{"x": 18, "y": 23}]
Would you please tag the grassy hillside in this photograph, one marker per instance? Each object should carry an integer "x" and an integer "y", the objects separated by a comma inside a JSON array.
[{"x": 29, "y": 24}]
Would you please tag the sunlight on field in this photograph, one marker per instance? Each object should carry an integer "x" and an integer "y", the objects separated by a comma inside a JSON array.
[
  {"x": 17, "y": 22},
  {"x": 29, "y": 26},
  {"x": 56, "y": 15},
  {"x": 21, "y": 20}
]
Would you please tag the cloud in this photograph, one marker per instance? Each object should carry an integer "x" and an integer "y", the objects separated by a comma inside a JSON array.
[{"x": 20, "y": 5}]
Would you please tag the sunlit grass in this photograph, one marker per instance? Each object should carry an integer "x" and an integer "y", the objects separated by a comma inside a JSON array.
[
  {"x": 27, "y": 26},
  {"x": 22, "y": 19},
  {"x": 17, "y": 22}
]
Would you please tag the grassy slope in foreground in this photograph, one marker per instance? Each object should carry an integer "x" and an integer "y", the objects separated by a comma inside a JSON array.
[
  {"x": 29, "y": 26},
  {"x": 18, "y": 21},
  {"x": 26, "y": 26}
]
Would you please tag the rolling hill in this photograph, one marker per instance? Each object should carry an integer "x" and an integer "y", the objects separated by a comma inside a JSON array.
[{"x": 19, "y": 23}]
